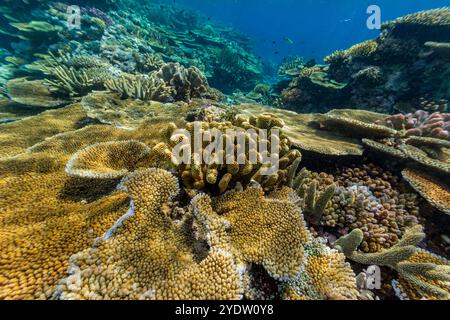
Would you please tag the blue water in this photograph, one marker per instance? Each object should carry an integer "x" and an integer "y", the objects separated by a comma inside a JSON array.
[{"x": 317, "y": 27}]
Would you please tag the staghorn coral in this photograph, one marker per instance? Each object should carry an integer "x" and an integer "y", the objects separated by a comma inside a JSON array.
[
  {"x": 108, "y": 160},
  {"x": 165, "y": 267},
  {"x": 435, "y": 192},
  {"x": 73, "y": 75},
  {"x": 140, "y": 87},
  {"x": 423, "y": 276}
]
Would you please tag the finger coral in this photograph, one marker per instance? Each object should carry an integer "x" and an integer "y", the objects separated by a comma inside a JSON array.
[{"x": 222, "y": 169}]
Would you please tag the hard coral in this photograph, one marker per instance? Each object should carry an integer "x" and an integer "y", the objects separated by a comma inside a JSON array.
[
  {"x": 424, "y": 275},
  {"x": 264, "y": 231},
  {"x": 146, "y": 256},
  {"x": 327, "y": 276},
  {"x": 365, "y": 198},
  {"x": 108, "y": 160},
  {"x": 421, "y": 123}
]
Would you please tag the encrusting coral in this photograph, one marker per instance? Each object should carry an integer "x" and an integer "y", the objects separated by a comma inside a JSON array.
[{"x": 423, "y": 274}]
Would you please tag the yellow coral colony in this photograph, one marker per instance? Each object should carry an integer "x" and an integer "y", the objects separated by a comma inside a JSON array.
[{"x": 146, "y": 256}]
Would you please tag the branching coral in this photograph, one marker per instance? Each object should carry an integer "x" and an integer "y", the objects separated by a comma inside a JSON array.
[
  {"x": 424, "y": 276},
  {"x": 225, "y": 169},
  {"x": 140, "y": 87}
]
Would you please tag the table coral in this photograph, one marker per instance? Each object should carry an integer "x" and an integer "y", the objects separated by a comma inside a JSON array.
[
  {"x": 108, "y": 160},
  {"x": 327, "y": 276},
  {"x": 17, "y": 136},
  {"x": 437, "y": 193},
  {"x": 263, "y": 230},
  {"x": 147, "y": 256}
]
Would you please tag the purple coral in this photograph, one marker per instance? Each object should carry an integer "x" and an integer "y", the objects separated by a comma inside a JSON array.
[
  {"x": 95, "y": 12},
  {"x": 421, "y": 123}
]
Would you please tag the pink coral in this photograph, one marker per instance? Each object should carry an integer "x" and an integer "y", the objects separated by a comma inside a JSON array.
[{"x": 421, "y": 123}]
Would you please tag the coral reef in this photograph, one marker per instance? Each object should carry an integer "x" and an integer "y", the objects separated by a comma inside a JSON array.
[
  {"x": 124, "y": 173},
  {"x": 395, "y": 69},
  {"x": 166, "y": 266},
  {"x": 421, "y": 123},
  {"x": 365, "y": 198},
  {"x": 220, "y": 170},
  {"x": 422, "y": 274}
]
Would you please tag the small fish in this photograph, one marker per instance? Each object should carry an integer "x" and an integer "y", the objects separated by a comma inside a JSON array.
[
  {"x": 288, "y": 40},
  {"x": 274, "y": 42},
  {"x": 346, "y": 20},
  {"x": 276, "y": 52},
  {"x": 209, "y": 18}
]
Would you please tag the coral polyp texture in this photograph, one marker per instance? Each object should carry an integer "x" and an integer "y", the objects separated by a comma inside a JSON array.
[
  {"x": 148, "y": 153},
  {"x": 147, "y": 255},
  {"x": 110, "y": 160}
]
